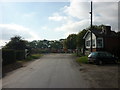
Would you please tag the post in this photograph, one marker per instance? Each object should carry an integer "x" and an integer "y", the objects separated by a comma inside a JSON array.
[{"x": 91, "y": 28}]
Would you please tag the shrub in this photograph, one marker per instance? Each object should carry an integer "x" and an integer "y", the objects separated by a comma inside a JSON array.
[{"x": 8, "y": 56}]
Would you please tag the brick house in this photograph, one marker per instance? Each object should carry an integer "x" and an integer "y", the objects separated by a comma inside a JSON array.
[{"x": 102, "y": 40}]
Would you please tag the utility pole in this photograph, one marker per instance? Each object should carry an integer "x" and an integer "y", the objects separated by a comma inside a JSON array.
[{"x": 91, "y": 27}]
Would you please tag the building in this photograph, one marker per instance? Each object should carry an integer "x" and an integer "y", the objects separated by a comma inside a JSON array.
[{"x": 102, "y": 40}]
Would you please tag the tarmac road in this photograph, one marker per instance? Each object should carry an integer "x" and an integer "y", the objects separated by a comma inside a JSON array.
[{"x": 50, "y": 71}]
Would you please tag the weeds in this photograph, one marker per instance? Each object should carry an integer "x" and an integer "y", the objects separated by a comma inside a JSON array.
[{"x": 82, "y": 59}]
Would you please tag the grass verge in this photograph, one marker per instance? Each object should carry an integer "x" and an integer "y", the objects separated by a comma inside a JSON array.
[
  {"x": 82, "y": 59},
  {"x": 33, "y": 56}
]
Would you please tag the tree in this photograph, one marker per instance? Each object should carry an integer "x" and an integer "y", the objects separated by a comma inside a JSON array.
[
  {"x": 65, "y": 44},
  {"x": 80, "y": 40},
  {"x": 46, "y": 45},
  {"x": 56, "y": 45},
  {"x": 16, "y": 43},
  {"x": 71, "y": 41},
  {"x": 118, "y": 34},
  {"x": 33, "y": 44}
]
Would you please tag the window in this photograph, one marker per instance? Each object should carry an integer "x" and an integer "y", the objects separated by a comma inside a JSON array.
[
  {"x": 93, "y": 42},
  {"x": 99, "y": 43},
  {"x": 88, "y": 43}
]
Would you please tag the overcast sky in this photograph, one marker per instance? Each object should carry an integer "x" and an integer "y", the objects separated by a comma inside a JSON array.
[{"x": 53, "y": 20}]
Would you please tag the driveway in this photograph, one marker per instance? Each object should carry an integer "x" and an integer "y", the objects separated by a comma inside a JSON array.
[{"x": 50, "y": 71}]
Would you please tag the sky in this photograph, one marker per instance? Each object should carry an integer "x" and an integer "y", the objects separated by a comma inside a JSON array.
[{"x": 53, "y": 20}]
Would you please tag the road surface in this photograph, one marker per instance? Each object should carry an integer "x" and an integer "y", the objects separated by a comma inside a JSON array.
[{"x": 50, "y": 71}]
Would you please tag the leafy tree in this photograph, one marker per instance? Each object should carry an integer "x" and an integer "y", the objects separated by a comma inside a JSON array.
[
  {"x": 80, "y": 40},
  {"x": 16, "y": 43},
  {"x": 46, "y": 44},
  {"x": 65, "y": 44},
  {"x": 56, "y": 45},
  {"x": 71, "y": 41},
  {"x": 96, "y": 27},
  {"x": 33, "y": 44}
]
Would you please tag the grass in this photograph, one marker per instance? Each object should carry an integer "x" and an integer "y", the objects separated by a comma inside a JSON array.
[
  {"x": 82, "y": 59},
  {"x": 31, "y": 57}
]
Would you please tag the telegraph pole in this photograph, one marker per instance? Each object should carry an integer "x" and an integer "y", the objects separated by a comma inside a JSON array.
[{"x": 91, "y": 27}]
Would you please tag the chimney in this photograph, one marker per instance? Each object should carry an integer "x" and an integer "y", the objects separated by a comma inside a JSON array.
[{"x": 106, "y": 30}]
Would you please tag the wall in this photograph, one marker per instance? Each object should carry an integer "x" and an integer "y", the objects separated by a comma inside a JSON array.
[
  {"x": 112, "y": 45},
  {"x": 88, "y": 38}
]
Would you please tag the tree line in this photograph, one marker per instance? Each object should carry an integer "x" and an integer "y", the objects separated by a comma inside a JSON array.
[
  {"x": 18, "y": 43},
  {"x": 72, "y": 42}
]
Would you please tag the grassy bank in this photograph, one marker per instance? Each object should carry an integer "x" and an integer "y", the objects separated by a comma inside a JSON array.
[{"x": 82, "y": 59}]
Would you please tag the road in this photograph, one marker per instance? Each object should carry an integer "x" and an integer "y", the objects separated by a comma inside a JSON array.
[{"x": 50, "y": 71}]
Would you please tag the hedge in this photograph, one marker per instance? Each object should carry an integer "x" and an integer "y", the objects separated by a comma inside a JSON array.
[
  {"x": 20, "y": 54},
  {"x": 8, "y": 56}
]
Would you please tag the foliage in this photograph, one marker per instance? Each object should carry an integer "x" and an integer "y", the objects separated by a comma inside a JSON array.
[
  {"x": 16, "y": 43},
  {"x": 80, "y": 40},
  {"x": 45, "y": 46},
  {"x": 65, "y": 44},
  {"x": 70, "y": 42},
  {"x": 20, "y": 54},
  {"x": 8, "y": 56},
  {"x": 56, "y": 45},
  {"x": 96, "y": 27},
  {"x": 83, "y": 59}
]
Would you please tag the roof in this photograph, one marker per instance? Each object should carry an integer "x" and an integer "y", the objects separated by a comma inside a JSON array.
[{"x": 100, "y": 33}]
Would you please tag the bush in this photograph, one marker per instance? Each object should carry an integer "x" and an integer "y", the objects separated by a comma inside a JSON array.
[
  {"x": 8, "y": 56},
  {"x": 20, "y": 54},
  {"x": 83, "y": 59}
]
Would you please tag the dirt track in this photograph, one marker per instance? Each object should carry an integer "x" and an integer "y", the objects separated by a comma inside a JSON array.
[{"x": 101, "y": 76}]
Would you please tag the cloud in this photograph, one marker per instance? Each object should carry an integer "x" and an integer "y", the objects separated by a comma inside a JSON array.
[
  {"x": 57, "y": 17},
  {"x": 78, "y": 9},
  {"x": 107, "y": 15},
  {"x": 10, "y": 30},
  {"x": 78, "y": 17},
  {"x": 73, "y": 26}
]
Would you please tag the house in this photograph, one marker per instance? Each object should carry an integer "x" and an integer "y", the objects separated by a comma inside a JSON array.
[{"x": 102, "y": 40}]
